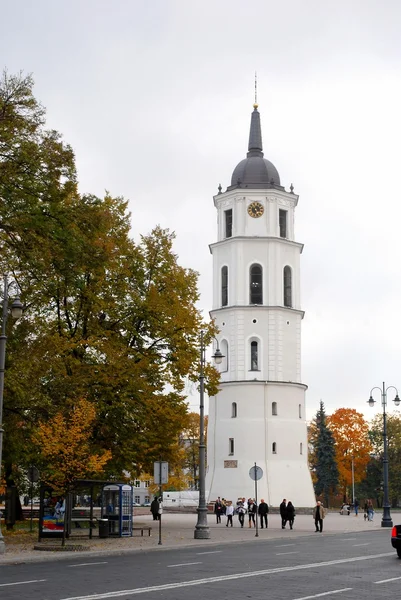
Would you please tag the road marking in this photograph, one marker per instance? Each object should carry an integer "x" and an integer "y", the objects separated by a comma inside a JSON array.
[
  {"x": 325, "y": 594},
  {"x": 285, "y": 545},
  {"x": 386, "y": 580},
  {"x": 356, "y": 545},
  {"x": 23, "y": 582},
  {"x": 283, "y": 553},
  {"x": 87, "y": 564},
  {"x": 211, "y": 552},
  {"x": 209, "y": 580},
  {"x": 347, "y": 539},
  {"x": 185, "y": 564}
]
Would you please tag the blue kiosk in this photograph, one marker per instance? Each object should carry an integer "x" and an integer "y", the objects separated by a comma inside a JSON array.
[{"x": 117, "y": 502}]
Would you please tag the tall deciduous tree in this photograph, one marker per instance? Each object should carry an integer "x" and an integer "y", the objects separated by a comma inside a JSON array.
[
  {"x": 108, "y": 319},
  {"x": 351, "y": 435},
  {"x": 323, "y": 456},
  {"x": 394, "y": 451}
]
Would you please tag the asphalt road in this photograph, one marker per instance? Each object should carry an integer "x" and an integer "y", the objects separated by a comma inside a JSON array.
[{"x": 352, "y": 566}]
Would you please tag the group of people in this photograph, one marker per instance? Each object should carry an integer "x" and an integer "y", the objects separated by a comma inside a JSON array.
[
  {"x": 287, "y": 513},
  {"x": 243, "y": 507}
]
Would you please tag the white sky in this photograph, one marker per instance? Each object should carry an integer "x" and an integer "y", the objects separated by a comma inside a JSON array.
[{"x": 155, "y": 98}]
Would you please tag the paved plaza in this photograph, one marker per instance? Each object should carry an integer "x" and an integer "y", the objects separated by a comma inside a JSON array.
[{"x": 178, "y": 531}]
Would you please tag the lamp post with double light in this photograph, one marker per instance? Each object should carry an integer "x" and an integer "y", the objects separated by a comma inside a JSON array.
[
  {"x": 202, "y": 531},
  {"x": 16, "y": 312},
  {"x": 386, "y": 518}
]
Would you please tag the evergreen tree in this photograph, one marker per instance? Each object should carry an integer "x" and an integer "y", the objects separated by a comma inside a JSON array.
[{"x": 324, "y": 464}]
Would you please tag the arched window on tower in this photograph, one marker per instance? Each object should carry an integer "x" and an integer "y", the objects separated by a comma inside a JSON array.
[
  {"x": 274, "y": 409},
  {"x": 256, "y": 285},
  {"x": 287, "y": 286},
  {"x": 300, "y": 448},
  {"x": 224, "y": 286},
  {"x": 234, "y": 410},
  {"x": 300, "y": 411},
  {"x": 274, "y": 448},
  {"x": 224, "y": 351},
  {"x": 254, "y": 356}
]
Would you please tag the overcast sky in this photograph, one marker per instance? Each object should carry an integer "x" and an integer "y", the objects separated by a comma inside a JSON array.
[{"x": 155, "y": 98}]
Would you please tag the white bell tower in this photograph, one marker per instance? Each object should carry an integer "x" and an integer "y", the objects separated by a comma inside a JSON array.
[{"x": 259, "y": 412}]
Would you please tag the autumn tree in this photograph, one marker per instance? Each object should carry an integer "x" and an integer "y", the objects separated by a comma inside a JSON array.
[
  {"x": 323, "y": 456},
  {"x": 107, "y": 318},
  {"x": 353, "y": 446},
  {"x": 66, "y": 449}
]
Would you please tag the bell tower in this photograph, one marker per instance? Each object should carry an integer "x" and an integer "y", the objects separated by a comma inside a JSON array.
[{"x": 259, "y": 413}]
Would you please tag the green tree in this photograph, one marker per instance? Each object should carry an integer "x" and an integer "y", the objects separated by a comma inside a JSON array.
[
  {"x": 393, "y": 451},
  {"x": 324, "y": 457}
]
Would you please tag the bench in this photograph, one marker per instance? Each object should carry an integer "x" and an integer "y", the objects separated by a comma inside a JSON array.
[
  {"x": 78, "y": 520},
  {"x": 142, "y": 528}
]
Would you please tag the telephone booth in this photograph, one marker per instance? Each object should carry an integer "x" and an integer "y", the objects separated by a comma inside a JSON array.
[{"x": 117, "y": 502}]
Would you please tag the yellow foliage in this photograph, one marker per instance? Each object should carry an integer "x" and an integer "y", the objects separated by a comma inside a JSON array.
[
  {"x": 351, "y": 434},
  {"x": 65, "y": 447}
]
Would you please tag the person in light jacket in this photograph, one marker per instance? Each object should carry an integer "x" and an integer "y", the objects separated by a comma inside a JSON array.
[
  {"x": 229, "y": 513},
  {"x": 319, "y": 514}
]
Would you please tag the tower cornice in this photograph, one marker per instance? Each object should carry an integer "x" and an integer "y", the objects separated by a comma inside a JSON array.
[
  {"x": 245, "y": 238},
  {"x": 248, "y": 307},
  {"x": 282, "y": 198}
]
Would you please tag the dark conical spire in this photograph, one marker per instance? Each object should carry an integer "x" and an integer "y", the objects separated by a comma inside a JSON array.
[{"x": 255, "y": 134}]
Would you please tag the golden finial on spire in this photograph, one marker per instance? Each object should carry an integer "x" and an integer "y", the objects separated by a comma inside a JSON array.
[{"x": 255, "y": 106}]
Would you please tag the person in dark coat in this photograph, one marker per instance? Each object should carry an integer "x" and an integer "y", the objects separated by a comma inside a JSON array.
[
  {"x": 154, "y": 509},
  {"x": 290, "y": 513},
  {"x": 218, "y": 509},
  {"x": 252, "y": 510},
  {"x": 283, "y": 513},
  {"x": 263, "y": 511}
]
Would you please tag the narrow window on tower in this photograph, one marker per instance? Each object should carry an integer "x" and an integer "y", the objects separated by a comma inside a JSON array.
[
  {"x": 274, "y": 448},
  {"x": 300, "y": 448},
  {"x": 300, "y": 411},
  {"x": 256, "y": 285},
  {"x": 254, "y": 356},
  {"x": 224, "y": 286},
  {"x": 231, "y": 446},
  {"x": 224, "y": 351},
  {"x": 282, "y": 219},
  {"x": 234, "y": 410},
  {"x": 287, "y": 286},
  {"x": 274, "y": 409},
  {"x": 228, "y": 223}
]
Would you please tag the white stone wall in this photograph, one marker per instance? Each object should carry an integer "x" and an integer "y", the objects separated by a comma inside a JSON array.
[{"x": 277, "y": 329}]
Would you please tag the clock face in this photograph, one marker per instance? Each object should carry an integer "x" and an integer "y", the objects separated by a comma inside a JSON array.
[{"x": 255, "y": 210}]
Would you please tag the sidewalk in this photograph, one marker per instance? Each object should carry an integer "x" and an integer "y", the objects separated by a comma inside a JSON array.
[{"x": 178, "y": 531}]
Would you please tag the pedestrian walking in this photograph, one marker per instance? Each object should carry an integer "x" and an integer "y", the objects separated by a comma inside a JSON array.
[
  {"x": 290, "y": 513},
  {"x": 319, "y": 514},
  {"x": 263, "y": 511},
  {"x": 218, "y": 509},
  {"x": 229, "y": 513},
  {"x": 251, "y": 512},
  {"x": 241, "y": 511},
  {"x": 283, "y": 513},
  {"x": 371, "y": 512},
  {"x": 356, "y": 506},
  {"x": 154, "y": 509}
]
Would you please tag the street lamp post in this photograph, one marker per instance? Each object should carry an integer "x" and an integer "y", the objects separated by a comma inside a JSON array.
[
  {"x": 16, "y": 311},
  {"x": 386, "y": 518},
  {"x": 202, "y": 531}
]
